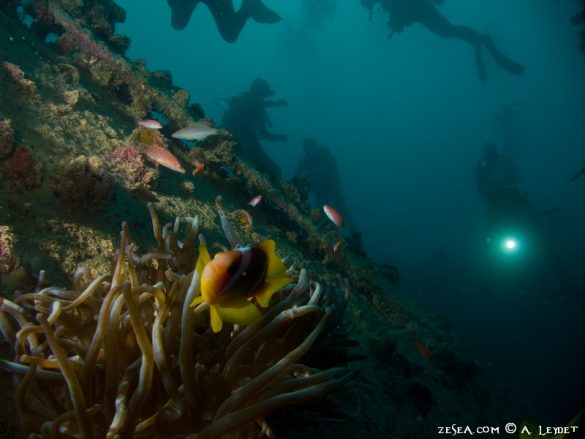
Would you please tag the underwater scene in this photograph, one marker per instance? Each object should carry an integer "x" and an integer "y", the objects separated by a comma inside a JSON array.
[{"x": 292, "y": 219}]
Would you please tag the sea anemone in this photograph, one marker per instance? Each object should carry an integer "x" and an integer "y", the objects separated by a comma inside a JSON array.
[{"x": 124, "y": 355}]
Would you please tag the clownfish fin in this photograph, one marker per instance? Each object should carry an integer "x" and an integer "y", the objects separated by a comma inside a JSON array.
[
  {"x": 270, "y": 286},
  {"x": 203, "y": 258},
  {"x": 197, "y": 301},
  {"x": 216, "y": 322},
  {"x": 239, "y": 311},
  {"x": 276, "y": 268}
]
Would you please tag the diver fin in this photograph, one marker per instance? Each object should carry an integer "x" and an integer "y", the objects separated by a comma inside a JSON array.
[
  {"x": 238, "y": 311},
  {"x": 578, "y": 174},
  {"x": 503, "y": 61},
  {"x": 270, "y": 287},
  {"x": 480, "y": 64},
  {"x": 260, "y": 13}
]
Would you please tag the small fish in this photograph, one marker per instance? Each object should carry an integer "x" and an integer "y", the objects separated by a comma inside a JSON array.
[
  {"x": 163, "y": 157},
  {"x": 337, "y": 246},
  {"x": 423, "y": 350},
  {"x": 197, "y": 131},
  {"x": 199, "y": 167},
  {"x": 232, "y": 278},
  {"x": 333, "y": 215},
  {"x": 255, "y": 201},
  {"x": 150, "y": 123},
  {"x": 144, "y": 194}
]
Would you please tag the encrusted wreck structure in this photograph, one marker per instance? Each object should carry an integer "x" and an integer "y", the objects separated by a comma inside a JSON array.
[{"x": 102, "y": 349}]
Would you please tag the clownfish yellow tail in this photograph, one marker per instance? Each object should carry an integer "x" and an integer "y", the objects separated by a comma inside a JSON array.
[{"x": 276, "y": 277}]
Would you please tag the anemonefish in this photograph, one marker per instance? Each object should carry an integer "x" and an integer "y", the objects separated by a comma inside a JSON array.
[{"x": 233, "y": 278}]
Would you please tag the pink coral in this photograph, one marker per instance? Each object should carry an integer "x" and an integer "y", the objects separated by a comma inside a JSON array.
[
  {"x": 16, "y": 75},
  {"x": 128, "y": 165},
  {"x": 92, "y": 49},
  {"x": 22, "y": 169}
]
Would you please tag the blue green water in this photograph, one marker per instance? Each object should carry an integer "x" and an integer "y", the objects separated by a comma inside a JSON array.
[{"x": 407, "y": 119}]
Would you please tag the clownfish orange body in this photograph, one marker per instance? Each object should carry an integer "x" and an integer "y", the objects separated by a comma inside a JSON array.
[{"x": 233, "y": 278}]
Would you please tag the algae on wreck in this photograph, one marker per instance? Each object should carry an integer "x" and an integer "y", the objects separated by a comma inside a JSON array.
[{"x": 74, "y": 157}]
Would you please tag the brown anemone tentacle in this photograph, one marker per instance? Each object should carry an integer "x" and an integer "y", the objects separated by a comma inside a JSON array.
[
  {"x": 146, "y": 368},
  {"x": 91, "y": 289},
  {"x": 228, "y": 231},
  {"x": 72, "y": 381},
  {"x": 97, "y": 341},
  {"x": 23, "y": 369},
  {"x": 186, "y": 362},
  {"x": 293, "y": 384},
  {"x": 114, "y": 364},
  {"x": 263, "y": 334},
  {"x": 248, "y": 332},
  {"x": 121, "y": 404},
  {"x": 243, "y": 416},
  {"x": 240, "y": 395}
]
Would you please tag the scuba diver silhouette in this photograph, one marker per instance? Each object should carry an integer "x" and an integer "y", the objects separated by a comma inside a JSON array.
[
  {"x": 319, "y": 167},
  {"x": 247, "y": 120},
  {"x": 514, "y": 220},
  {"x": 579, "y": 20},
  {"x": 405, "y": 13},
  {"x": 229, "y": 22}
]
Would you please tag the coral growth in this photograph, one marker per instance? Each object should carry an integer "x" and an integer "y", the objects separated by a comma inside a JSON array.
[
  {"x": 16, "y": 76},
  {"x": 124, "y": 355},
  {"x": 105, "y": 68},
  {"x": 129, "y": 166},
  {"x": 6, "y": 137},
  {"x": 7, "y": 262},
  {"x": 21, "y": 170},
  {"x": 142, "y": 137},
  {"x": 82, "y": 183},
  {"x": 243, "y": 219}
]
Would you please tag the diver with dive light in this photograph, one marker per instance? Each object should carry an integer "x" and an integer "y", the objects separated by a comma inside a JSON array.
[{"x": 518, "y": 238}]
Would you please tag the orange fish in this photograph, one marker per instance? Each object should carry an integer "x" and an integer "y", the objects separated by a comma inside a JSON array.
[
  {"x": 255, "y": 201},
  {"x": 199, "y": 167},
  {"x": 333, "y": 215},
  {"x": 163, "y": 157},
  {"x": 337, "y": 246},
  {"x": 423, "y": 350},
  {"x": 232, "y": 278}
]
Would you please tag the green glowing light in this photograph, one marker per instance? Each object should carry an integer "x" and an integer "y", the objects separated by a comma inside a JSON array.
[{"x": 510, "y": 245}]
